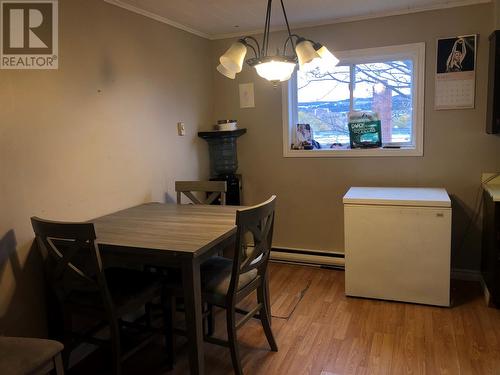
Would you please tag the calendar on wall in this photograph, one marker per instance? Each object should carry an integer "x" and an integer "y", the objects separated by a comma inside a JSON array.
[{"x": 456, "y": 72}]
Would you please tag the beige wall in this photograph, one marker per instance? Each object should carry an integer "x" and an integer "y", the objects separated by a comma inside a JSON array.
[
  {"x": 95, "y": 136},
  {"x": 310, "y": 190}
]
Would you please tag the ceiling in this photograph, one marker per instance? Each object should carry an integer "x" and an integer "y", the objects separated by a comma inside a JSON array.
[{"x": 215, "y": 19}]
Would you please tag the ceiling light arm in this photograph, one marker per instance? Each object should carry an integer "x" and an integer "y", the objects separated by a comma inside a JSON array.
[
  {"x": 316, "y": 45},
  {"x": 256, "y": 49},
  {"x": 290, "y": 39},
  {"x": 299, "y": 39}
]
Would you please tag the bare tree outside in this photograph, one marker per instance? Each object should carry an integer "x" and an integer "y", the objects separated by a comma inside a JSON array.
[{"x": 326, "y": 96}]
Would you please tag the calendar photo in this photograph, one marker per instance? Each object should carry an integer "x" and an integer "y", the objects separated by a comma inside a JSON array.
[
  {"x": 456, "y": 54},
  {"x": 456, "y": 72}
]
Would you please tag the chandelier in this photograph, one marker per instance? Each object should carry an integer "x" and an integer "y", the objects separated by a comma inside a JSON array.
[{"x": 275, "y": 68}]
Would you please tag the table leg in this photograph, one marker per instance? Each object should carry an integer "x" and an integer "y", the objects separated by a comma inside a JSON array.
[{"x": 194, "y": 319}]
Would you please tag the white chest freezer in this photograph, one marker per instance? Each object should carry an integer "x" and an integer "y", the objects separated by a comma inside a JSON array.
[{"x": 398, "y": 244}]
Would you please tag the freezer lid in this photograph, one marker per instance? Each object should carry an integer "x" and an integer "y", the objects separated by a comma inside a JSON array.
[{"x": 391, "y": 196}]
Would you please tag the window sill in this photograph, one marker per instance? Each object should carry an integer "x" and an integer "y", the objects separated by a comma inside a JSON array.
[{"x": 353, "y": 153}]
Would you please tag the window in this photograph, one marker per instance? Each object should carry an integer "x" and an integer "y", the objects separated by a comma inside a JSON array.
[{"x": 386, "y": 80}]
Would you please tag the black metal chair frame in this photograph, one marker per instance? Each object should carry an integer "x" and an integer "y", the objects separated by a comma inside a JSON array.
[
  {"x": 213, "y": 190},
  {"x": 63, "y": 242}
]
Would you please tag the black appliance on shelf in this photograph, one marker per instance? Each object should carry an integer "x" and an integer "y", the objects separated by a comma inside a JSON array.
[
  {"x": 224, "y": 161},
  {"x": 493, "y": 111}
]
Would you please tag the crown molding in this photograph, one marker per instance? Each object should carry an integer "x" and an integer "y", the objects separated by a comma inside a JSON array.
[
  {"x": 157, "y": 17},
  {"x": 188, "y": 29}
]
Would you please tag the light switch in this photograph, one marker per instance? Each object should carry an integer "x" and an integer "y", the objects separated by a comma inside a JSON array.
[
  {"x": 181, "y": 130},
  {"x": 247, "y": 99}
]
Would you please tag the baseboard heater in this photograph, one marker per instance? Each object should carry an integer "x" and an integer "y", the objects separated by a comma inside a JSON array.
[
  {"x": 337, "y": 260},
  {"x": 308, "y": 257}
]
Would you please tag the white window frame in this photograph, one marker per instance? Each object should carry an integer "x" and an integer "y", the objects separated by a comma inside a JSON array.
[{"x": 414, "y": 52}]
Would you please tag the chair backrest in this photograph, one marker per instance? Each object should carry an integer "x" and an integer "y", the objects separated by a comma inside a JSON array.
[
  {"x": 254, "y": 239},
  {"x": 75, "y": 261},
  {"x": 214, "y": 188}
]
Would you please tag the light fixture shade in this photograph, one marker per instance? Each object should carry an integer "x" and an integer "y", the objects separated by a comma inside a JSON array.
[
  {"x": 305, "y": 52},
  {"x": 233, "y": 59},
  {"x": 225, "y": 72},
  {"x": 327, "y": 55},
  {"x": 275, "y": 70}
]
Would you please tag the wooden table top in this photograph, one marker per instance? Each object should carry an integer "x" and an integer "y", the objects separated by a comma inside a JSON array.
[{"x": 186, "y": 229}]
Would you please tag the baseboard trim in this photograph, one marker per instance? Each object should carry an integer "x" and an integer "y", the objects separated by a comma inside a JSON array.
[{"x": 308, "y": 257}]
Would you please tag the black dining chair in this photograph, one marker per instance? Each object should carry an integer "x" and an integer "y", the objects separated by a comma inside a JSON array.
[
  {"x": 226, "y": 282},
  {"x": 214, "y": 191},
  {"x": 83, "y": 287}
]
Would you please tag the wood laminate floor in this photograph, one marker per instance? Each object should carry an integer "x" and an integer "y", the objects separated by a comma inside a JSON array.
[{"x": 321, "y": 331}]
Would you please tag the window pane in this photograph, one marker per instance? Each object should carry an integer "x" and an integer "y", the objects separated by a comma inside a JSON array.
[
  {"x": 386, "y": 88},
  {"x": 324, "y": 102}
]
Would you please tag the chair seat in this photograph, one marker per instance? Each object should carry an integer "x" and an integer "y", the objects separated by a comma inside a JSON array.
[
  {"x": 216, "y": 276},
  {"x": 20, "y": 356},
  {"x": 126, "y": 286}
]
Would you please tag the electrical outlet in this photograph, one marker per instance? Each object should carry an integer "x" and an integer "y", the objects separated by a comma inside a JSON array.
[{"x": 181, "y": 130}]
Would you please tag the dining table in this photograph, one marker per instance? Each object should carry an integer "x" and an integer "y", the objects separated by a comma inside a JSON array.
[{"x": 170, "y": 235}]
